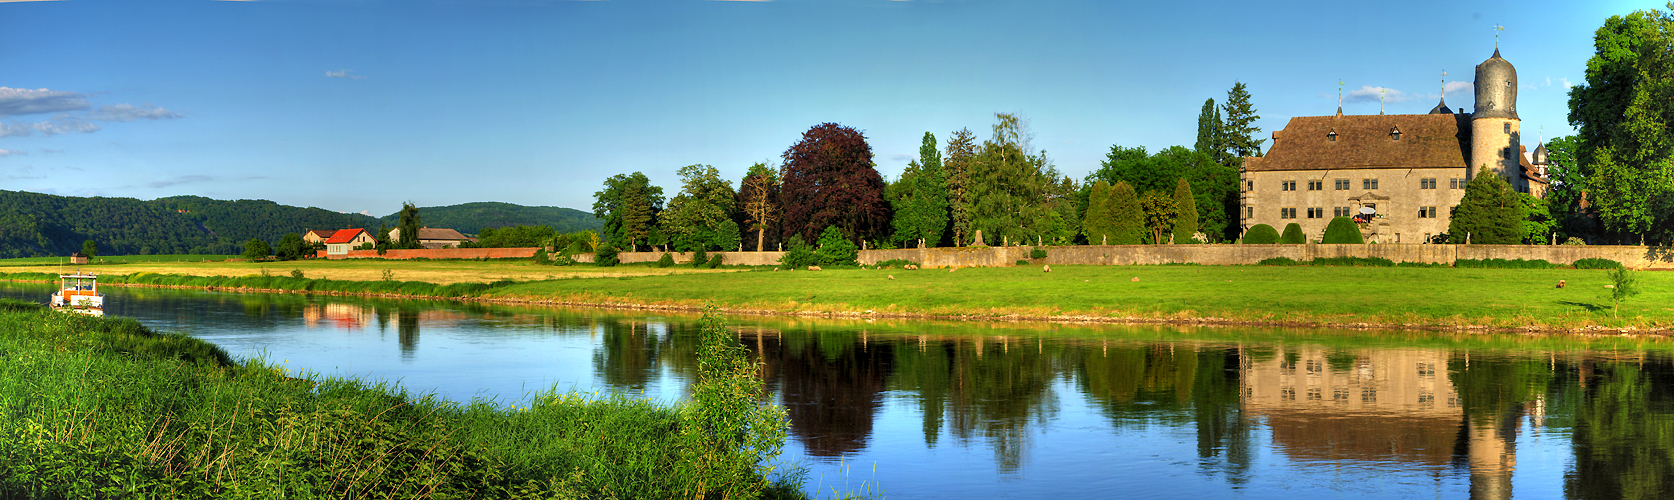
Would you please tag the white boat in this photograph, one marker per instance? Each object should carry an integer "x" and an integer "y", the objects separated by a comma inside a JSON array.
[{"x": 79, "y": 293}]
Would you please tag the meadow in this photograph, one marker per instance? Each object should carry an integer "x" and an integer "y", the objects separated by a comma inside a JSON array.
[
  {"x": 97, "y": 407},
  {"x": 441, "y": 272}
]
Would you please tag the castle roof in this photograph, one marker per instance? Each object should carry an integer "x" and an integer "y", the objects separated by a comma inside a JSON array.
[
  {"x": 1441, "y": 108},
  {"x": 1367, "y": 141}
]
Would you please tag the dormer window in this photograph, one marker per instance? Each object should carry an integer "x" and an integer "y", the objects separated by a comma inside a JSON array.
[
  {"x": 1332, "y": 136},
  {"x": 1395, "y": 134}
]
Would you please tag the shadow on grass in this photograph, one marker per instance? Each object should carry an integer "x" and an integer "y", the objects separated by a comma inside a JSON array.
[{"x": 1590, "y": 307}]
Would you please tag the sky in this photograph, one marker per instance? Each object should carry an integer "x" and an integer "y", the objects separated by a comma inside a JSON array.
[{"x": 360, "y": 105}]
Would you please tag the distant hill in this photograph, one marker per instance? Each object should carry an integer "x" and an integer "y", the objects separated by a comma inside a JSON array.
[
  {"x": 472, "y": 218},
  {"x": 40, "y": 225}
]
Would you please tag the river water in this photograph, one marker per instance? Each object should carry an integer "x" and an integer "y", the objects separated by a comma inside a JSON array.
[{"x": 976, "y": 410}]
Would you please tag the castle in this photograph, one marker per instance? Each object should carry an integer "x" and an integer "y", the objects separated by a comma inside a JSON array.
[{"x": 1397, "y": 175}]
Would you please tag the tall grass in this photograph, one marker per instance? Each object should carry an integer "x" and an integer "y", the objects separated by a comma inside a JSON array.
[{"x": 95, "y": 407}]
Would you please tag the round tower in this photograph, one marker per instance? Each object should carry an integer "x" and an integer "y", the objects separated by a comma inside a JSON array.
[{"x": 1495, "y": 128}]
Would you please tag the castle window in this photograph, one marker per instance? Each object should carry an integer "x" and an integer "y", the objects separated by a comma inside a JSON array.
[
  {"x": 1287, "y": 213},
  {"x": 1316, "y": 212},
  {"x": 1249, "y": 212},
  {"x": 1342, "y": 184},
  {"x": 1426, "y": 184},
  {"x": 1316, "y": 185},
  {"x": 1287, "y": 186},
  {"x": 1426, "y": 212},
  {"x": 1395, "y": 134},
  {"x": 1368, "y": 183},
  {"x": 1507, "y": 127},
  {"x": 1332, "y": 136}
]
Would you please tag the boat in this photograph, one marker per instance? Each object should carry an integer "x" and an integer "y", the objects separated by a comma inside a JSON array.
[{"x": 79, "y": 293}]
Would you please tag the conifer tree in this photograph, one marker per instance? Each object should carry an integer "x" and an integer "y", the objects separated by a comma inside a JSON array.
[
  {"x": 1128, "y": 218},
  {"x": 1185, "y": 224},
  {"x": 961, "y": 150},
  {"x": 1099, "y": 223},
  {"x": 1210, "y": 138},
  {"x": 1490, "y": 212},
  {"x": 1239, "y": 129}
]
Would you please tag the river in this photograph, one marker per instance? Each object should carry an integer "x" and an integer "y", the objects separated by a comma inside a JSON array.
[{"x": 978, "y": 410}]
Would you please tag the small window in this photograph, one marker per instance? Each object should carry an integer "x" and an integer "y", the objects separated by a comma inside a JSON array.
[
  {"x": 1249, "y": 185},
  {"x": 1287, "y": 213},
  {"x": 1287, "y": 186},
  {"x": 1507, "y": 127},
  {"x": 1331, "y": 136},
  {"x": 1426, "y": 212},
  {"x": 1249, "y": 212},
  {"x": 1316, "y": 213},
  {"x": 1342, "y": 184},
  {"x": 1368, "y": 183},
  {"x": 1426, "y": 184},
  {"x": 1313, "y": 394},
  {"x": 1453, "y": 183},
  {"x": 1395, "y": 134},
  {"x": 1316, "y": 185}
]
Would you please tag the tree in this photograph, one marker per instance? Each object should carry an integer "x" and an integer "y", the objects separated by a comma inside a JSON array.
[
  {"x": 1261, "y": 234},
  {"x": 758, "y": 201},
  {"x": 1341, "y": 230},
  {"x": 410, "y": 225},
  {"x": 1490, "y": 213},
  {"x": 1214, "y": 186},
  {"x": 1015, "y": 191},
  {"x": 1099, "y": 224},
  {"x": 291, "y": 247},
  {"x": 700, "y": 217},
  {"x": 1239, "y": 130},
  {"x": 1160, "y": 213},
  {"x": 1210, "y": 139},
  {"x": 1626, "y": 285},
  {"x": 1625, "y": 118},
  {"x": 629, "y": 205},
  {"x": 920, "y": 198},
  {"x": 1128, "y": 217},
  {"x": 1185, "y": 225},
  {"x": 830, "y": 180},
  {"x": 835, "y": 249},
  {"x": 516, "y": 237},
  {"x": 256, "y": 249},
  {"x": 961, "y": 150},
  {"x": 89, "y": 249},
  {"x": 1537, "y": 220},
  {"x": 1293, "y": 235}
]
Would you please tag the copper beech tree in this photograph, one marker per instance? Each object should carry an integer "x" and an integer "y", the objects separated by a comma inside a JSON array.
[{"x": 828, "y": 179}]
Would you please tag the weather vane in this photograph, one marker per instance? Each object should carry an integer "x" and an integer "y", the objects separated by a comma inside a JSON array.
[
  {"x": 1381, "y": 92},
  {"x": 1340, "y": 85},
  {"x": 1444, "y": 84},
  {"x": 1497, "y": 30}
]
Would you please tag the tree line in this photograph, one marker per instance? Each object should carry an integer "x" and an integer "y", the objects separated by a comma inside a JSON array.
[{"x": 998, "y": 191}]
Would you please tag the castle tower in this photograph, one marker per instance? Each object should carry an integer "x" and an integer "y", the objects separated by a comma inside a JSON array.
[{"x": 1495, "y": 128}]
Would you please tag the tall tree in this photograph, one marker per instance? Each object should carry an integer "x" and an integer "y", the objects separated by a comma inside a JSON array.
[
  {"x": 1239, "y": 130},
  {"x": 1210, "y": 139},
  {"x": 89, "y": 249},
  {"x": 1185, "y": 225},
  {"x": 1014, "y": 190},
  {"x": 1099, "y": 224},
  {"x": 1128, "y": 216},
  {"x": 830, "y": 180},
  {"x": 1625, "y": 116},
  {"x": 629, "y": 205},
  {"x": 410, "y": 225},
  {"x": 961, "y": 151},
  {"x": 1489, "y": 214},
  {"x": 1214, "y": 186},
  {"x": 758, "y": 201},
  {"x": 700, "y": 216},
  {"x": 1160, "y": 212},
  {"x": 290, "y": 247},
  {"x": 920, "y": 198}
]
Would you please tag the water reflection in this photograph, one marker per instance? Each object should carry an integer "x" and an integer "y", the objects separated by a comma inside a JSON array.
[{"x": 973, "y": 410}]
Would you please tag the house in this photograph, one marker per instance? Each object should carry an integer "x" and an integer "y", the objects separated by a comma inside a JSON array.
[
  {"x": 1398, "y": 176},
  {"x": 318, "y": 236},
  {"x": 431, "y": 237},
  {"x": 78, "y": 258},
  {"x": 344, "y": 240}
]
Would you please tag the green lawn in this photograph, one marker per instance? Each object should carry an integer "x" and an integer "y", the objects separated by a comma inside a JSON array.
[{"x": 1312, "y": 295}]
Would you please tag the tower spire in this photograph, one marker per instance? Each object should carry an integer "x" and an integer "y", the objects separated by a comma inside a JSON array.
[
  {"x": 1497, "y": 30},
  {"x": 1340, "y": 97}
]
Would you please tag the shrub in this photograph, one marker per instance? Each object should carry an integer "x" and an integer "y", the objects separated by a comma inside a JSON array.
[
  {"x": 666, "y": 260},
  {"x": 715, "y": 261},
  {"x": 1279, "y": 261},
  {"x": 798, "y": 254},
  {"x": 1342, "y": 230},
  {"x": 1502, "y": 264},
  {"x": 563, "y": 259},
  {"x": 1293, "y": 235},
  {"x": 1575, "y": 240},
  {"x": 901, "y": 263},
  {"x": 606, "y": 256},
  {"x": 1353, "y": 262},
  {"x": 1597, "y": 263},
  {"x": 700, "y": 258},
  {"x": 836, "y": 249},
  {"x": 1022, "y": 262},
  {"x": 1037, "y": 253},
  {"x": 541, "y": 258},
  {"x": 296, "y": 273},
  {"x": 1261, "y": 234}
]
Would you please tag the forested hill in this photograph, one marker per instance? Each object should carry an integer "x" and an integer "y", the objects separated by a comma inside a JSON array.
[
  {"x": 34, "y": 224},
  {"x": 472, "y": 218}
]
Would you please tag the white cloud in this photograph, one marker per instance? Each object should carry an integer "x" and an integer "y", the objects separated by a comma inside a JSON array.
[
  {"x": 344, "y": 73},
  {"x": 8, "y": 152},
  {"x": 1566, "y": 83},
  {"x": 1369, "y": 93},
  {"x": 15, "y": 102},
  {"x": 129, "y": 112},
  {"x": 1452, "y": 87}
]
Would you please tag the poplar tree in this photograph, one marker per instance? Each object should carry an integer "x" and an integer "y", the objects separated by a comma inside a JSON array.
[
  {"x": 961, "y": 150},
  {"x": 921, "y": 199},
  {"x": 1210, "y": 140},
  {"x": 410, "y": 225},
  {"x": 1185, "y": 224},
  {"x": 1099, "y": 223},
  {"x": 1128, "y": 219}
]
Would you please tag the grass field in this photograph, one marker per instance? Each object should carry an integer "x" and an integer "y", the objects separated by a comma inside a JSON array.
[{"x": 441, "y": 272}]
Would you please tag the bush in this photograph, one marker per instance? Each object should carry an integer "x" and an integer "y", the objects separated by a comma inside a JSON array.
[
  {"x": 541, "y": 258},
  {"x": 1353, "y": 262},
  {"x": 1597, "y": 263},
  {"x": 1293, "y": 235},
  {"x": 1502, "y": 264},
  {"x": 715, "y": 261},
  {"x": 836, "y": 249},
  {"x": 563, "y": 259},
  {"x": 666, "y": 260},
  {"x": 1279, "y": 261},
  {"x": 901, "y": 263},
  {"x": 1037, "y": 253},
  {"x": 1261, "y": 234},
  {"x": 296, "y": 273},
  {"x": 700, "y": 258},
  {"x": 1022, "y": 262},
  {"x": 1342, "y": 230},
  {"x": 606, "y": 256},
  {"x": 798, "y": 254}
]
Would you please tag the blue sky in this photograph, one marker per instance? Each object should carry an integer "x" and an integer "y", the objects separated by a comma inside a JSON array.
[{"x": 359, "y": 105}]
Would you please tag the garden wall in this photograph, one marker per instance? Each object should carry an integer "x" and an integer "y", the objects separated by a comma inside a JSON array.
[{"x": 1638, "y": 257}]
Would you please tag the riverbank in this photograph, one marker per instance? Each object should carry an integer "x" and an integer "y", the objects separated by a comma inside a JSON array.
[
  {"x": 1424, "y": 298},
  {"x": 98, "y": 407}
]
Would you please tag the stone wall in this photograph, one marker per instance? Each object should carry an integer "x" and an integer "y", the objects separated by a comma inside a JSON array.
[
  {"x": 441, "y": 253},
  {"x": 1638, "y": 257}
]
